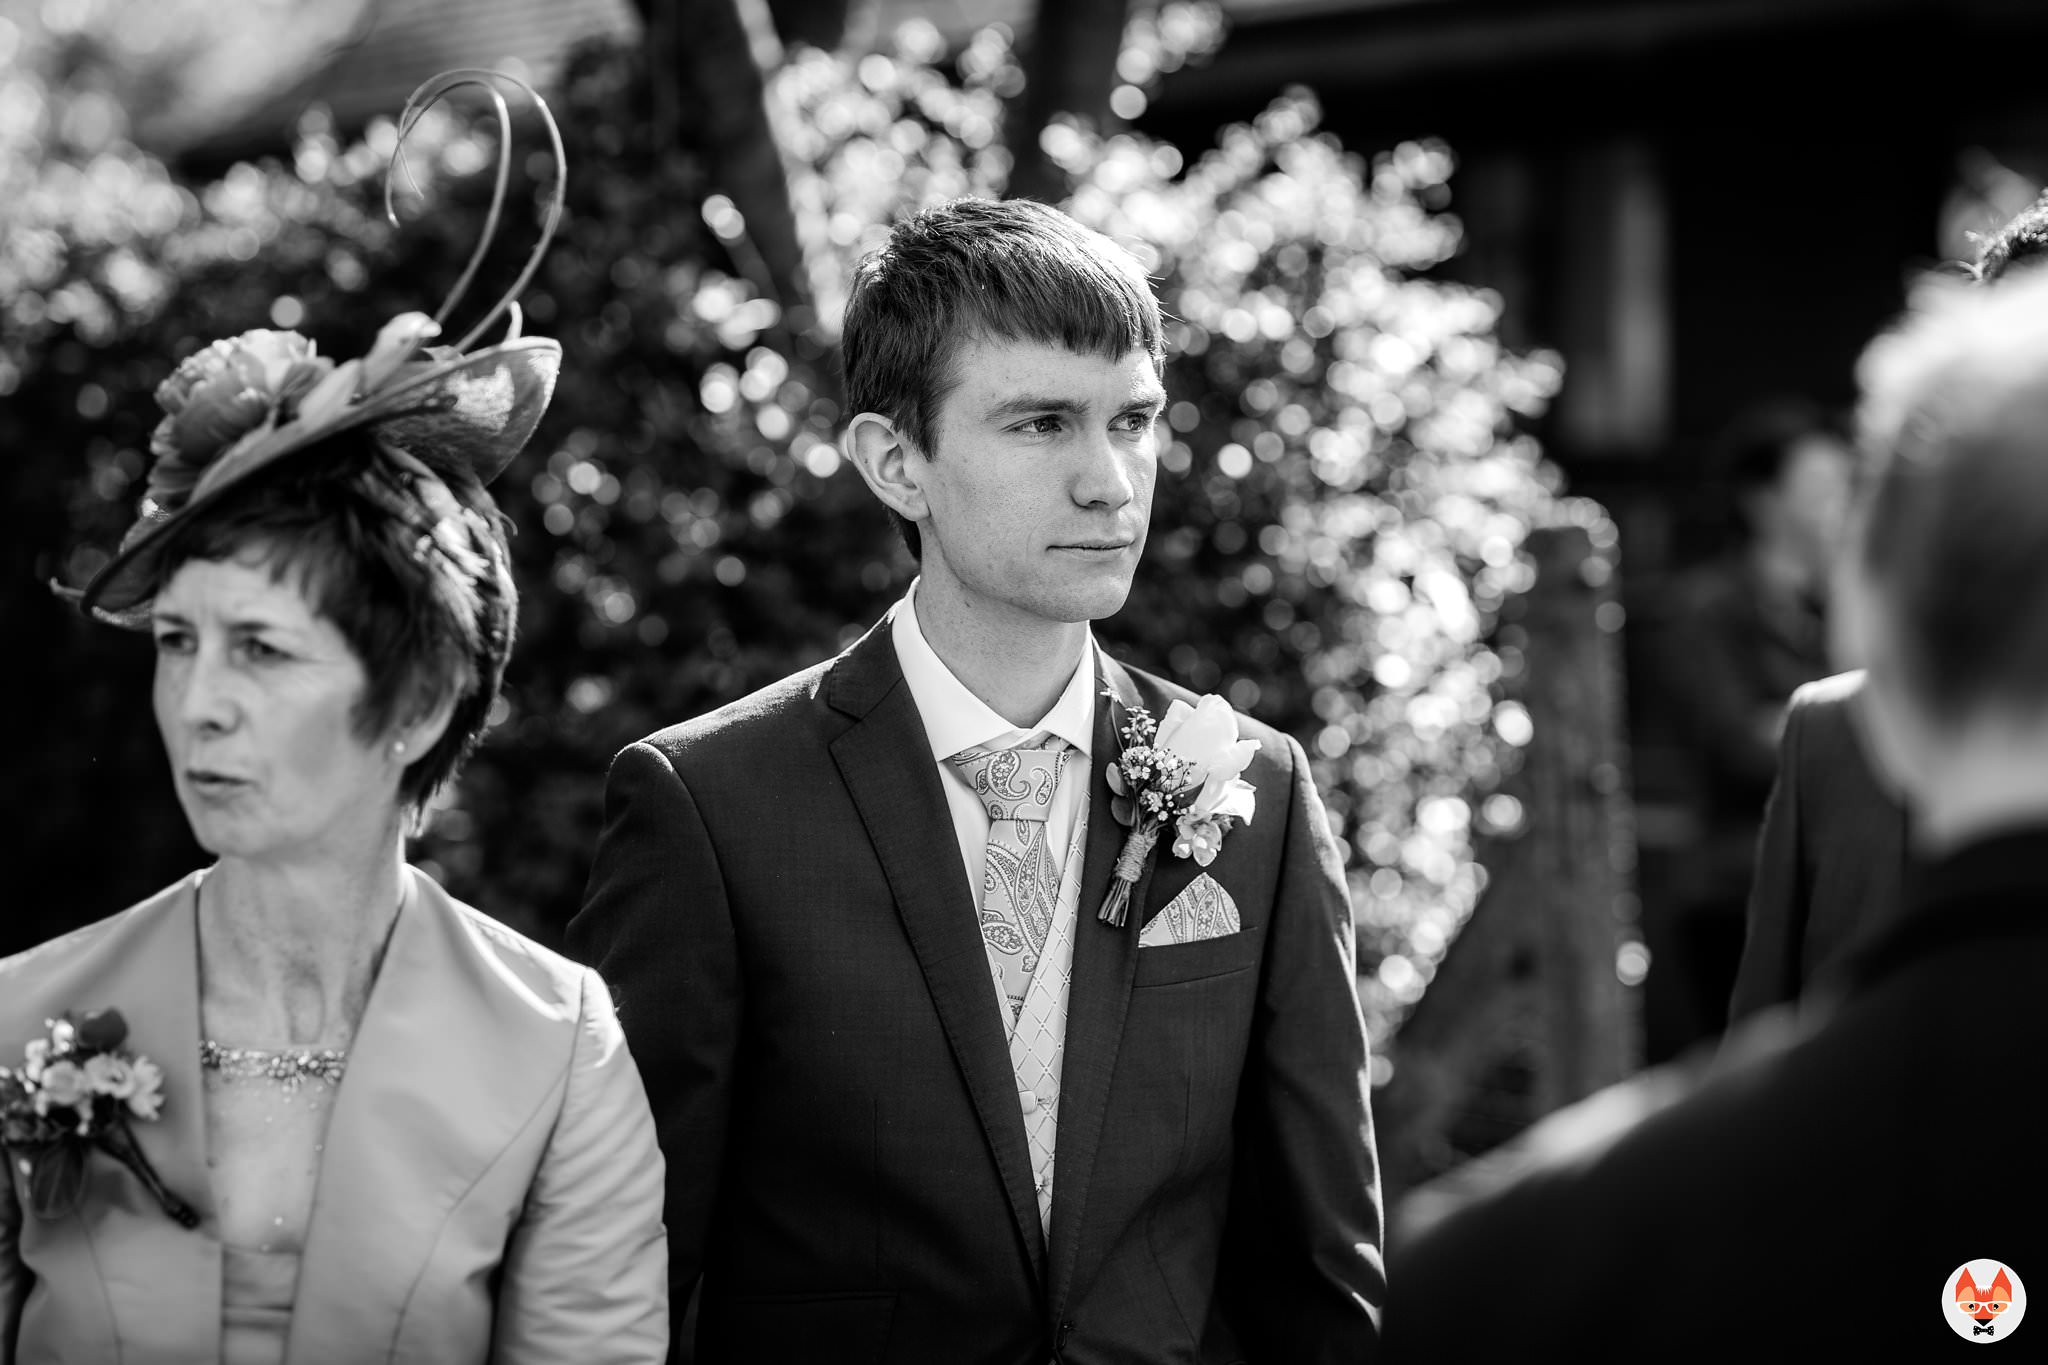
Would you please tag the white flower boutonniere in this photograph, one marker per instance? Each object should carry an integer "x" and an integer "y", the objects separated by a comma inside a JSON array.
[{"x": 1184, "y": 771}]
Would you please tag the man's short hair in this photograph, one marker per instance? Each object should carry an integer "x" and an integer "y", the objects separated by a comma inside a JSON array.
[
  {"x": 2023, "y": 241},
  {"x": 1954, "y": 532},
  {"x": 975, "y": 269}
]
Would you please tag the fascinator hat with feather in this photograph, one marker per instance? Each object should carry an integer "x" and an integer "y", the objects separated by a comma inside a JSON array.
[{"x": 253, "y": 402}]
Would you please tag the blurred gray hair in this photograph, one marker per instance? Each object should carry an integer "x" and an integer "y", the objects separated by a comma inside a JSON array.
[{"x": 1954, "y": 535}]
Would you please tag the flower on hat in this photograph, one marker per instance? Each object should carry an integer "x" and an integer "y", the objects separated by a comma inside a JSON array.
[{"x": 219, "y": 396}]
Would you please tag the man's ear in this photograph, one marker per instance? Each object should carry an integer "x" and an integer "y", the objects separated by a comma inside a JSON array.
[{"x": 893, "y": 467}]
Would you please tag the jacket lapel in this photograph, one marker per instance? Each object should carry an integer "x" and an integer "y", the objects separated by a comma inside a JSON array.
[
  {"x": 450, "y": 1062},
  {"x": 162, "y": 1281},
  {"x": 891, "y": 774},
  {"x": 1105, "y": 962}
]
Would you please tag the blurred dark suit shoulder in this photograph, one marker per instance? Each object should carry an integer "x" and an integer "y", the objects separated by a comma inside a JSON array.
[
  {"x": 1832, "y": 859},
  {"x": 1815, "y": 1194}
]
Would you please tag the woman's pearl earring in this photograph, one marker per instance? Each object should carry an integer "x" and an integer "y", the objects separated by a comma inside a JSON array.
[{"x": 398, "y": 748}]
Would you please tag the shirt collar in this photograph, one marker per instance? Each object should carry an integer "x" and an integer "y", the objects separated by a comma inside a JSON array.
[{"x": 955, "y": 719}]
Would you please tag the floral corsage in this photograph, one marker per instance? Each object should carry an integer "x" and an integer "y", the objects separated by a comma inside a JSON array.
[
  {"x": 77, "y": 1090},
  {"x": 1184, "y": 771}
]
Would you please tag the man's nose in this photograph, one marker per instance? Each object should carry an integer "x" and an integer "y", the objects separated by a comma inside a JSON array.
[{"x": 1105, "y": 476}]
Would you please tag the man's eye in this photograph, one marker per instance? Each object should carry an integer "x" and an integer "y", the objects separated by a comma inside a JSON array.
[
  {"x": 1040, "y": 426},
  {"x": 172, "y": 642},
  {"x": 260, "y": 652}
]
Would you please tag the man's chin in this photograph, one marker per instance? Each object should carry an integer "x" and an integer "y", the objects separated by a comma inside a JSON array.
[
  {"x": 1098, "y": 602},
  {"x": 1068, "y": 599}
]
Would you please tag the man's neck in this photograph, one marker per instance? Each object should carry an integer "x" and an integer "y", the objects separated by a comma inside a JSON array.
[
  {"x": 1016, "y": 665},
  {"x": 1986, "y": 782}
]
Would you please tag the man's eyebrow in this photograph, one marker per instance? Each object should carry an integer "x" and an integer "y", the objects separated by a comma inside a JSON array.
[{"x": 1031, "y": 406}]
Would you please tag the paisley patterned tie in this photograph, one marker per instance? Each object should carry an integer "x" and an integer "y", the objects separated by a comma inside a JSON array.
[{"x": 1020, "y": 877}]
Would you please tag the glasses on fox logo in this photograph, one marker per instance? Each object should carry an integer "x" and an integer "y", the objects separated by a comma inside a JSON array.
[{"x": 1983, "y": 1301}]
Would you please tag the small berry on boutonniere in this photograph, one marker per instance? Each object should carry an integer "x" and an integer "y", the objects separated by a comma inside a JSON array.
[
  {"x": 1183, "y": 771},
  {"x": 77, "y": 1089}
]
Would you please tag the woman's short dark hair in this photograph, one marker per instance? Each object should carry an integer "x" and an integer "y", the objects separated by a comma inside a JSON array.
[
  {"x": 972, "y": 269},
  {"x": 405, "y": 556}
]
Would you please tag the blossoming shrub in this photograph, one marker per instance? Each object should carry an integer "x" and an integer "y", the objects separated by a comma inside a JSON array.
[{"x": 1340, "y": 514}]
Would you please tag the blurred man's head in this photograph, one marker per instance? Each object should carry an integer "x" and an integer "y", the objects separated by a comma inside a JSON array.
[
  {"x": 1945, "y": 592},
  {"x": 1789, "y": 470},
  {"x": 2023, "y": 242}
]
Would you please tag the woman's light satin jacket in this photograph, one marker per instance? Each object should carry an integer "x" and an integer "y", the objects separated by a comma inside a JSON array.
[{"x": 490, "y": 1188}]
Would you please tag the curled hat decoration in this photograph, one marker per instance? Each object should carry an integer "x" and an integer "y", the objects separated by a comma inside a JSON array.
[{"x": 245, "y": 403}]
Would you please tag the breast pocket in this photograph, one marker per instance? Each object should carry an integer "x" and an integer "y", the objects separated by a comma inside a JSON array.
[{"x": 1172, "y": 964}]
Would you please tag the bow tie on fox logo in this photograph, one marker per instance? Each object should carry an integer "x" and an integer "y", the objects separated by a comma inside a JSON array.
[{"x": 1983, "y": 1331}]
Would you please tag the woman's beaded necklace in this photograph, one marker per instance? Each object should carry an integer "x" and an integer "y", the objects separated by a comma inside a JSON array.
[{"x": 289, "y": 1068}]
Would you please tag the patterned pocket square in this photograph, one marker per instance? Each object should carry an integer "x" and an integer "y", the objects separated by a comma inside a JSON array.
[{"x": 1204, "y": 910}]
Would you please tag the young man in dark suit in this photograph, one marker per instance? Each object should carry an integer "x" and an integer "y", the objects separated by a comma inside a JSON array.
[
  {"x": 919, "y": 1102},
  {"x": 1820, "y": 1194},
  {"x": 1833, "y": 858}
]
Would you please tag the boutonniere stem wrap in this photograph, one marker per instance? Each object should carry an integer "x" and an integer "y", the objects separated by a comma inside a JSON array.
[
  {"x": 1183, "y": 772},
  {"x": 76, "y": 1090}
]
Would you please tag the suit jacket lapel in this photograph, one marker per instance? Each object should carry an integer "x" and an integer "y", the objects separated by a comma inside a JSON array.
[
  {"x": 450, "y": 1062},
  {"x": 891, "y": 774},
  {"x": 1105, "y": 962}
]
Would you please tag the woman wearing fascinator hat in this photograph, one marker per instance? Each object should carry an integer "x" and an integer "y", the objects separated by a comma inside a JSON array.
[{"x": 303, "y": 1105}]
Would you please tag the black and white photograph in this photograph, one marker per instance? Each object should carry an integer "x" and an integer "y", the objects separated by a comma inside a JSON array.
[{"x": 1022, "y": 682}]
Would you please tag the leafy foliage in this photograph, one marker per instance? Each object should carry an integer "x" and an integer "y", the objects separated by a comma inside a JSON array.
[{"x": 1341, "y": 514}]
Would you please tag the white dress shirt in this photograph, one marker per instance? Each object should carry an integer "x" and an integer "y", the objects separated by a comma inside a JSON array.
[{"x": 956, "y": 719}]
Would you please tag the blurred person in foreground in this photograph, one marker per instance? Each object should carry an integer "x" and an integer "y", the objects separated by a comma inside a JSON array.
[
  {"x": 1821, "y": 1188},
  {"x": 304, "y": 1105},
  {"x": 1834, "y": 856},
  {"x": 948, "y": 1065},
  {"x": 1742, "y": 632}
]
